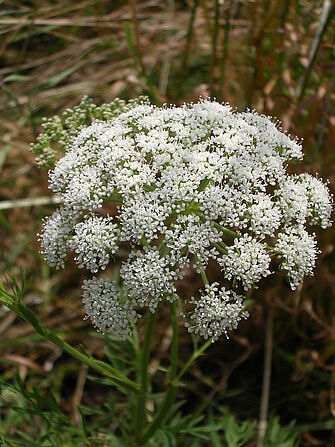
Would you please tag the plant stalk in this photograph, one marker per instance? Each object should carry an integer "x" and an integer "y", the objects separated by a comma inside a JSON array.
[
  {"x": 225, "y": 230},
  {"x": 263, "y": 415},
  {"x": 143, "y": 373},
  {"x": 197, "y": 353},
  {"x": 172, "y": 391},
  {"x": 101, "y": 367}
]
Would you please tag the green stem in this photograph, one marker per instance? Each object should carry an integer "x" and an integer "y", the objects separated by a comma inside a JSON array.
[
  {"x": 225, "y": 230},
  {"x": 197, "y": 353},
  {"x": 143, "y": 373},
  {"x": 202, "y": 272},
  {"x": 174, "y": 341},
  {"x": 161, "y": 415},
  {"x": 103, "y": 368},
  {"x": 203, "y": 276},
  {"x": 170, "y": 396},
  {"x": 172, "y": 391},
  {"x": 222, "y": 248},
  {"x": 273, "y": 250}
]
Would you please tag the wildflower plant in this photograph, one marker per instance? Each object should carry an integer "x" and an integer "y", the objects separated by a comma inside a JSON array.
[
  {"x": 172, "y": 189},
  {"x": 189, "y": 184}
]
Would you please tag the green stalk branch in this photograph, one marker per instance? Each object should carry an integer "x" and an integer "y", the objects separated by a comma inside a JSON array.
[
  {"x": 172, "y": 391},
  {"x": 161, "y": 415},
  {"x": 224, "y": 54},
  {"x": 265, "y": 397},
  {"x": 225, "y": 230},
  {"x": 15, "y": 304},
  {"x": 197, "y": 353},
  {"x": 203, "y": 276},
  {"x": 174, "y": 341},
  {"x": 143, "y": 373},
  {"x": 170, "y": 395},
  {"x": 221, "y": 248}
]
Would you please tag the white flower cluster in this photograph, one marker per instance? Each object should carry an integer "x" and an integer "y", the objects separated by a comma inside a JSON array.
[
  {"x": 265, "y": 216},
  {"x": 148, "y": 278},
  {"x": 216, "y": 312},
  {"x": 182, "y": 186},
  {"x": 305, "y": 197},
  {"x": 189, "y": 233},
  {"x": 108, "y": 311},
  {"x": 93, "y": 241},
  {"x": 247, "y": 261},
  {"x": 54, "y": 238},
  {"x": 299, "y": 252}
]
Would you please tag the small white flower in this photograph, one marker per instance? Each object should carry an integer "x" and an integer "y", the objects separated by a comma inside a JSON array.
[
  {"x": 94, "y": 240},
  {"x": 265, "y": 216},
  {"x": 189, "y": 234},
  {"x": 320, "y": 202},
  {"x": 298, "y": 251},
  {"x": 227, "y": 204},
  {"x": 247, "y": 261},
  {"x": 54, "y": 237},
  {"x": 293, "y": 201},
  {"x": 107, "y": 309},
  {"x": 216, "y": 312},
  {"x": 148, "y": 278},
  {"x": 143, "y": 215}
]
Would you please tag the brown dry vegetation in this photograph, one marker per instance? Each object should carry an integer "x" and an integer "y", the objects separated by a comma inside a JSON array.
[{"x": 251, "y": 53}]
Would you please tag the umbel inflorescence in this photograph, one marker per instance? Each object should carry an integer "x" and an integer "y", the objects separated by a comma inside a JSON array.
[{"x": 176, "y": 188}]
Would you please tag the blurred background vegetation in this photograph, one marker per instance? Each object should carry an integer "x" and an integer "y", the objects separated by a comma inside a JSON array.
[{"x": 277, "y": 56}]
